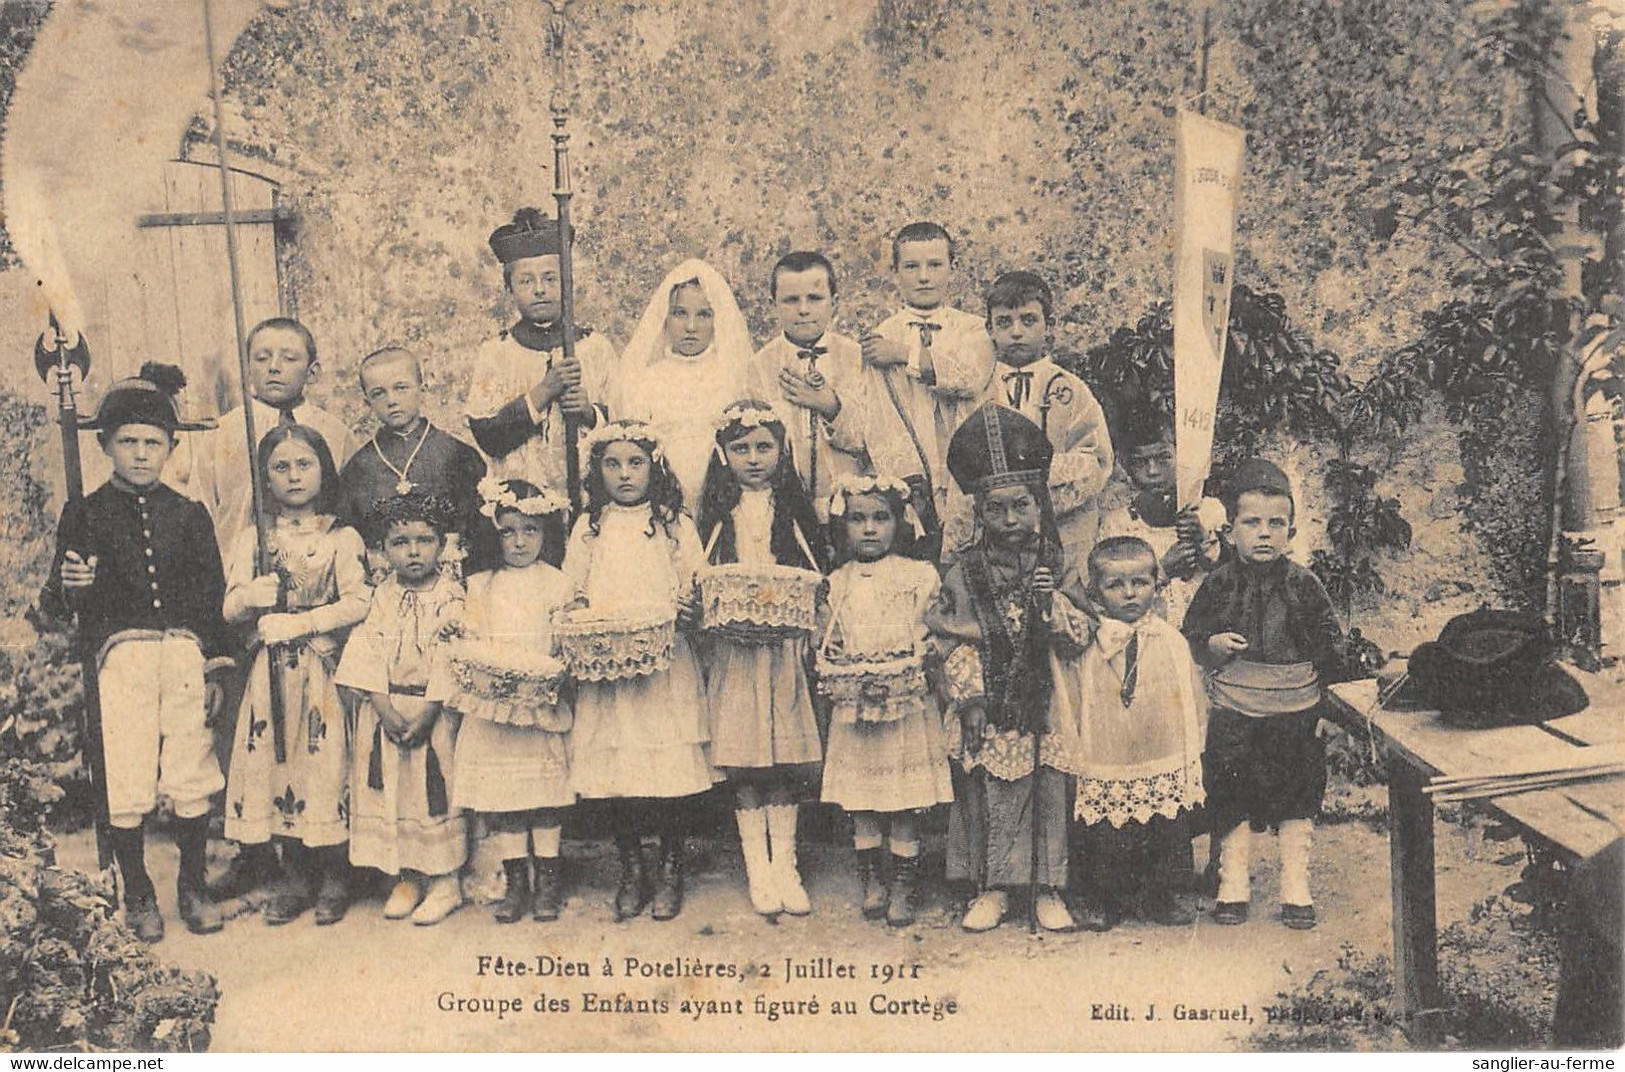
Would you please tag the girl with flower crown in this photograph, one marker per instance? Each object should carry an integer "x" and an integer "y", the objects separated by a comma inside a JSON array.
[
  {"x": 642, "y": 727},
  {"x": 887, "y": 756},
  {"x": 755, "y": 513},
  {"x": 687, "y": 360},
  {"x": 513, "y": 763}
]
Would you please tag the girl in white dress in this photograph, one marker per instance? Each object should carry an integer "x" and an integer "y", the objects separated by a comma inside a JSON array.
[
  {"x": 513, "y": 762},
  {"x": 764, "y": 736},
  {"x": 641, "y": 741},
  {"x": 686, "y": 361},
  {"x": 887, "y": 755}
]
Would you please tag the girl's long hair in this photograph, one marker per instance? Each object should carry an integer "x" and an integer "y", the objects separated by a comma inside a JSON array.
[
  {"x": 665, "y": 494},
  {"x": 327, "y": 499},
  {"x": 902, "y": 544},
  {"x": 792, "y": 506}
]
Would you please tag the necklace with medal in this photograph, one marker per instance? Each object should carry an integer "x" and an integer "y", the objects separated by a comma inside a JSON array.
[{"x": 403, "y": 486}]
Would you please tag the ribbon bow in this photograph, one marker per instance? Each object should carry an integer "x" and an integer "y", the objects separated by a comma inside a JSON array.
[
  {"x": 1018, "y": 387},
  {"x": 1116, "y": 637},
  {"x": 927, "y": 328}
]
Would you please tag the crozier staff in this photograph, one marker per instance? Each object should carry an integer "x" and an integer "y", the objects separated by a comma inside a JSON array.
[{"x": 524, "y": 384}]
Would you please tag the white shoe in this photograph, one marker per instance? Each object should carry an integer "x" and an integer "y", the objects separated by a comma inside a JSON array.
[
  {"x": 1053, "y": 914},
  {"x": 758, "y": 869},
  {"x": 445, "y": 896},
  {"x": 986, "y": 912},
  {"x": 781, "y": 825},
  {"x": 403, "y": 898}
]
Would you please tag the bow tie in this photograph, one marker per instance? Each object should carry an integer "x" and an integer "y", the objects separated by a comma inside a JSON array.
[
  {"x": 811, "y": 354},
  {"x": 927, "y": 328},
  {"x": 1116, "y": 637},
  {"x": 1018, "y": 387}
]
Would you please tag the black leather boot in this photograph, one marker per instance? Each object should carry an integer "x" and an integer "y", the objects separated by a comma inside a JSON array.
[
  {"x": 872, "y": 882},
  {"x": 905, "y": 891},
  {"x": 668, "y": 899},
  {"x": 292, "y": 895},
  {"x": 140, "y": 899},
  {"x": 197, "y": 909},
  {"x": 549, "y": 888},
  {"x": 633, "y": 893},
  {"x": 333, "y": 896},
  {"x": 516, "y": 895}
]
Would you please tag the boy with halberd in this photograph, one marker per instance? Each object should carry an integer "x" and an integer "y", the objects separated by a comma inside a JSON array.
[
  {"x": 408, "y": 453},
  {"x": 1264, "y": 629},
  {"x": 993, "y": 614},
  {"x": 524, "y": 389},
  {"x": 138, "y": 562},
  {"x": 811, "y": 376},
  {"x": 925, "y": 368},
  {"x": 1020, "y": 316}
]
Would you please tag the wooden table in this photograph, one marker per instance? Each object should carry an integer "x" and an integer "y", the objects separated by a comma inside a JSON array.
[{"x": 1578, "y": 820}]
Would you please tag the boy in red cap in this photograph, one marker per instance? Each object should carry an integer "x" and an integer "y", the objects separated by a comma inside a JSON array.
[
  {"x": 1265, "y": 630},
  {"x": 138, "y": 562}
]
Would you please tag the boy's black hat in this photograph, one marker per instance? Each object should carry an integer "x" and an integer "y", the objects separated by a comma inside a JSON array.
[
  {"x": 1490, "y": 668},
  {"x": 145, "y": 399},
  {"x": 997, "y": 447},
  {"x": 531, "y": 234}
]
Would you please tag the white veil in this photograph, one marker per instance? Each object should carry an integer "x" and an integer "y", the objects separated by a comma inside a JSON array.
[{"x": 648, "y": 344}]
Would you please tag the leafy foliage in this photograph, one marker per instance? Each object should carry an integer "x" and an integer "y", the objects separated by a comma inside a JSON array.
[
  {"x": 72, "y": 976},
  {"x": 40, "y": 706}
]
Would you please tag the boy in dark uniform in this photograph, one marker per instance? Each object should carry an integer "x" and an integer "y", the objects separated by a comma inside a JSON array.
[
  {"x": 1264, "y": 629},
  {"x": 137, "y": 561}
]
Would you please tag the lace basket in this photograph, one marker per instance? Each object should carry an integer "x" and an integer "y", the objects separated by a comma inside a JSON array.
[
  {"x": 759, "y": 604},
  {"x": 877, "y": 688},
  {"x": 506, "y": 687},
  {"x": 633, "y": 643}
]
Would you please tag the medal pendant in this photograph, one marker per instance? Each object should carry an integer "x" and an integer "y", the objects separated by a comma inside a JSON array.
[
  {"x": 404, "y": 487},
  {"x": 815, "y": 380}
]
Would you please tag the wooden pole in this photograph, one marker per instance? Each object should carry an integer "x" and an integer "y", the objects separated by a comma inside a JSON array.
[
  {"x": 560, "y": 107},
  {"x": 262, "y": 529}
]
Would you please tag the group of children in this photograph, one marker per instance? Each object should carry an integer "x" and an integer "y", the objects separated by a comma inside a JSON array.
[{"x": 1016, "y": 621}]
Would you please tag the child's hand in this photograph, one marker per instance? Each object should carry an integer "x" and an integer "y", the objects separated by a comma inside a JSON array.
[
  {"x": 1188, "y": 527},
  {"x": 1225, "y": 645},
  {"x": 973, "y": 726},
  {"x": 823, "y": 400},
  {"x": 883, "y": 352},
  {"x": 1179, "y": 560},
  {"x": 263, "y": 592},
  {"x": 78, "y": 572},
  {"x": 277, "y": 629},
  {"x": 688, "y": 610},
  {"x": 574, "y": 402},
  {"x": 1044, "y": 580},
  {"x": 559, "y": 379}
]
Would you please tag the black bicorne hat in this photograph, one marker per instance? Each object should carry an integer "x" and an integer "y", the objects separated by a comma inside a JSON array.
[
  {"x": 997, "y": 447},
  {"x": 531, "y": 234}
]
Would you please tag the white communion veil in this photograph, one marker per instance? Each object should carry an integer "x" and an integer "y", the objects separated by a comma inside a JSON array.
[{"x": 683, "y": 397}]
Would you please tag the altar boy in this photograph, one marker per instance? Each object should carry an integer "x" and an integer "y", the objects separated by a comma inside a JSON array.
[
  {"x": 1027, "y": 379},
  {"x": 927, "y": 366},
  {"x": 811, "y": 376}
]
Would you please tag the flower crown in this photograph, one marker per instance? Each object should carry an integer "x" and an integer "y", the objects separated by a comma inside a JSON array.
[
  {"x": 498, "y": 496},
  {"x": 627, "y": 431},
  {"x": 850, "y": 484},
  {"x": 747, "y": 413}
]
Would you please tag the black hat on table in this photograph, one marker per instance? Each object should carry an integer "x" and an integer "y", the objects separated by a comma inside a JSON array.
[
  {"x": 531, "y": 234},
  {"x": 1490, "y": 668},
  {"x": 148, "y": 398},
  {"x": 997, "y": 447}
]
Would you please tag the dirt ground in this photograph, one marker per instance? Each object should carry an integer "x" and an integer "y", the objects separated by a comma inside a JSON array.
[{"x": 368, "y": 983}]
